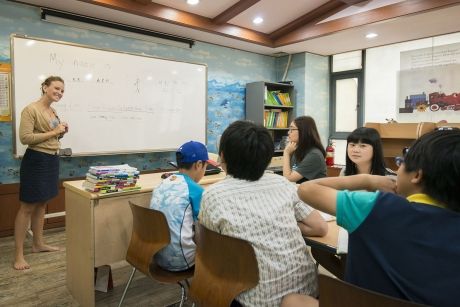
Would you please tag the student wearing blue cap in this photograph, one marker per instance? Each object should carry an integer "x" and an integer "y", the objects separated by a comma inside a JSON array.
[{"x": 178, "y": 197}]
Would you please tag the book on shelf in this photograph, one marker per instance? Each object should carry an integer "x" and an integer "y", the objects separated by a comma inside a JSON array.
[
  {"x": 285, "y": 99},
  {"x": 275, "y": 118},
  {"x": 270, "y": 100},
  {"x": 277, "y": 98}
]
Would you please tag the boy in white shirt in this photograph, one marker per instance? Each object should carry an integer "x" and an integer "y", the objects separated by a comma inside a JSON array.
[{"x": 263, "y": 209}]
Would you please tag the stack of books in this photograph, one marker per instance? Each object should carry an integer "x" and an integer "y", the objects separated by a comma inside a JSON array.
[{"x": 112, "y": 178}]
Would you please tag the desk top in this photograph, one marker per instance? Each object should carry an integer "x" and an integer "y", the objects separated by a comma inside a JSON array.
[
  {"x": 147, "y": 182},
  {"x": 328, "y": 242}
]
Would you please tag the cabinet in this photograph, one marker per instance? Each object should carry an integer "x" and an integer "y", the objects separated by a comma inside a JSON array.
[
  {"x": 396, "y": 136},
  {"x": 272, "y": 105}
]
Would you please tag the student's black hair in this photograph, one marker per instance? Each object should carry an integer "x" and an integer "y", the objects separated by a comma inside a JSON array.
[
  {"x": 437, "y": 155},
  {"x": 308, "y": 137},
  {"x": 367, "y": 136},
  {"x": 181, "y": 164},
  {"x": 247, "y": 150}
]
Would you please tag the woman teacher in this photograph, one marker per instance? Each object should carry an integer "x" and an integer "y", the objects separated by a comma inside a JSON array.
[{"x": 40, "y": 129}]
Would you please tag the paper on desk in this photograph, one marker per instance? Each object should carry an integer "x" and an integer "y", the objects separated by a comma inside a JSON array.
[
  {"x": 102, "y": 278},
  {"x": 326, "y": 216},
  {"x": 342, "y": 241}
]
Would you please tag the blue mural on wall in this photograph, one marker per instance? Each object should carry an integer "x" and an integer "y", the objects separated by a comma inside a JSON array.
[
  {"x": 228, "y": 72},
  {"x": 225, "y": 105}
]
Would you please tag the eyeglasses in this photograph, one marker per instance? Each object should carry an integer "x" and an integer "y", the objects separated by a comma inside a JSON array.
[
  {"x": 399, "y": 161},
  {"x": 405, "y": 151},
  {"x": 444, "y": 128},
  {"x": 292, "y": 129}
]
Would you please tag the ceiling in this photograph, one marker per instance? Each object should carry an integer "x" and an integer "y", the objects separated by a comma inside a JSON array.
[{"x": 290, "y": 26}]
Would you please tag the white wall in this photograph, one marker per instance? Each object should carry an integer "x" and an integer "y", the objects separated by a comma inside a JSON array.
[
  {"x": 381, "y": 85},
  {"x": 381, "y": 77},
  {"x": 340, "y": 152},
  {"x": 316, "y": 93}
]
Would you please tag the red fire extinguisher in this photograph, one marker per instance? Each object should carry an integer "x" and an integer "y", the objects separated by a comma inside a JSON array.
[{"x": 330, "y": 154}]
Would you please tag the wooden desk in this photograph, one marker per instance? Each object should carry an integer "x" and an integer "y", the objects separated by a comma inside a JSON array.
[
  {"x": 334, "y": 171},
  {"x": 327, "y": 243},
  {"x": 276, "y": 165},
  {"x": 324, "y": 250},
  {"x": 98, "y": 230}
]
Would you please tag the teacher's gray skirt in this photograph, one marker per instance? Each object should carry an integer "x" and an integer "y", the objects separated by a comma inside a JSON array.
[{"x": 39, "y": 177}]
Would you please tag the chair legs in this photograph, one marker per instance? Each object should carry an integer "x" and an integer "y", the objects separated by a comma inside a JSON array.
[
  {"x": 183, "y": 292},
  {"x": 183, "y": 297},
  {"x": 126, "y": 288},
  {"x": 188, "y": 287}
]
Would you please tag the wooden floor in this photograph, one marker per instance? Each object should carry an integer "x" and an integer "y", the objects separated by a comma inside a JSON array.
[{"x": 45, "y": 283}]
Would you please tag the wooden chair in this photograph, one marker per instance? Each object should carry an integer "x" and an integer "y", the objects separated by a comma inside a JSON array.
[
  {"x": 150, "y": 234},
  {"x": 338, "y": 293},
  {"x": 224, "y": 267},
  {"x": 335, "y": 264}
]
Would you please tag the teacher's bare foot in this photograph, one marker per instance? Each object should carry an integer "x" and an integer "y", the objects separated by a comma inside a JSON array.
[
  {"x": 45, "y": 248},
  {"x": 20, "y": 264}
]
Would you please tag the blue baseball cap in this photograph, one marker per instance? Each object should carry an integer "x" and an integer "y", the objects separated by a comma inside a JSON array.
[{"x": 193, "y": 151}]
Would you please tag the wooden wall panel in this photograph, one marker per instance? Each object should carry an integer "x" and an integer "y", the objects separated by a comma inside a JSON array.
[{"x": 9, "y": 206}]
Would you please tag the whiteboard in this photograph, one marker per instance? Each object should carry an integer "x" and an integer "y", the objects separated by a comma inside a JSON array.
[{"x": 114, "y": 102}]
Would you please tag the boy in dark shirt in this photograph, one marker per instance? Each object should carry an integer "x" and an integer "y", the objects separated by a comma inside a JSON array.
[{"x": 406, "y": 245}]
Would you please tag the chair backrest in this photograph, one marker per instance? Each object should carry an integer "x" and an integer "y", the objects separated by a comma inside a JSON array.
[
  {"x": 150, "y": 234},
  {"x": 334, "y": 292},
  {"x": 224, "y": 267}
]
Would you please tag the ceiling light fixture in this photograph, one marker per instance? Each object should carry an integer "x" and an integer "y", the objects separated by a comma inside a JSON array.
[
  {"x": 371, "y": 35},
  {"x": 193, "y": 2},
  {"x": 258, "y": 20}
]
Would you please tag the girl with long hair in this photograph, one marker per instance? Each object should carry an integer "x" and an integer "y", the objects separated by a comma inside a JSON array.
[
  {"x": 365, "y": 154},
  {"x": 303, "y": 157}
]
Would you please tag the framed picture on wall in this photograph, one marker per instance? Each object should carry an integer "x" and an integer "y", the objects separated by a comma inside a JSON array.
[{"x": 429, "y": 84}]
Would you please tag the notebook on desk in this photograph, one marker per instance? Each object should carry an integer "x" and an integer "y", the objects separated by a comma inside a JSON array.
[
  {"x": 210, "y": 169},
  {"x": 327, "y": 217},
  {"x": 275, "y": 169},
  {"x": 276, "y": 165},
  {"x": 342, "y": 241}
]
